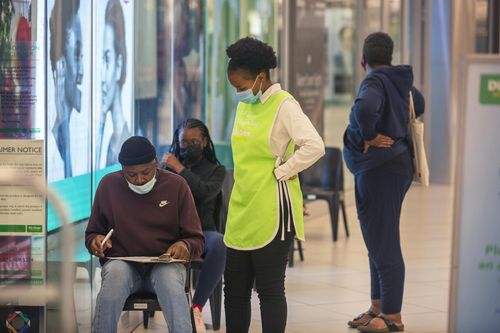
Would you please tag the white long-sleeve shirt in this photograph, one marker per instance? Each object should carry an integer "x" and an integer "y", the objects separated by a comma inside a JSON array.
[{"x": 292, "y": 123}]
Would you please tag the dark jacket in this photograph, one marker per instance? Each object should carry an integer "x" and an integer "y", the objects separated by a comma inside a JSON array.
[
  {"x": 381, "y": 107},
  {"x": 205, "y": 181}
]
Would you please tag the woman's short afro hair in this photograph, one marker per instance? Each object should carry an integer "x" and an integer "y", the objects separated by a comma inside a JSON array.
[{"x": 252, "y": 55}]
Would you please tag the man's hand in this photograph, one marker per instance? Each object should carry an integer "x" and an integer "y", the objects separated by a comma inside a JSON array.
[
  {"x": 380, "y": 141},
  {"x": 179, "y": 250},
  {"x": 172, "y": 162},
  {"x": 95, "y": 246}
]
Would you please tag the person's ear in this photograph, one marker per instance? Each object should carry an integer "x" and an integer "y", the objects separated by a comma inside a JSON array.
[
  {"x": 59, "y": 74},
  {"x": 118, "y": 66},
  {"x": 62, "y": 64},
  {"x": 205, "y": 142},
  {"x": 60, "y": 67},
  {"x": 363, "y": 62}
]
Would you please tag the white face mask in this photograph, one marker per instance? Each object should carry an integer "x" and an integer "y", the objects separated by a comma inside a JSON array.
[{"x": 144, "y": 188}]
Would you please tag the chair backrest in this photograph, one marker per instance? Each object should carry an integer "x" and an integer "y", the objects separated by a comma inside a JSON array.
[
  {"x": 222, "y": 201},
  {"x": 219, "y": 213},
  {"x": 326, "y": 173}
]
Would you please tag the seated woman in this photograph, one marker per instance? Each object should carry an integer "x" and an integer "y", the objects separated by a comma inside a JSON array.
[{"x": 192, "y": 156}]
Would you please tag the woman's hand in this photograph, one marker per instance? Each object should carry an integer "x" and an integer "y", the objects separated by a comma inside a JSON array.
[
  {"x": 380, "y": 141},
  {"x": 172, "y": 162}
]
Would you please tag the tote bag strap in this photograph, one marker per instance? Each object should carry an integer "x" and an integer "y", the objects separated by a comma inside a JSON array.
[{"x": 412, "y": 109}]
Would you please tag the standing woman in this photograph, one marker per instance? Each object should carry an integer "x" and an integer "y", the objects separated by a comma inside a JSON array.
[
  {"x": 265, "y": 210},
  {"x": 377, "y": 152}
]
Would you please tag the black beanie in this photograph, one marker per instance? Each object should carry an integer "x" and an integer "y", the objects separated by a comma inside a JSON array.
[{"x": 136, "y": 150}]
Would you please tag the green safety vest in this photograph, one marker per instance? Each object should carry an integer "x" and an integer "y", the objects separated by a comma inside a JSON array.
[{"x": 253, "y": 217}]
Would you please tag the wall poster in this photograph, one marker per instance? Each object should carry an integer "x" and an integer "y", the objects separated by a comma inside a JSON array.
[
  {"x": 20, "y": 60},
  {"x": 22, "y": 207},
  {"x": 113, "y": 82}
]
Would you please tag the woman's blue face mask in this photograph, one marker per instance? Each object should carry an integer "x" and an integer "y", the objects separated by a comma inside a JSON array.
[{"x": 247, "y": 96}]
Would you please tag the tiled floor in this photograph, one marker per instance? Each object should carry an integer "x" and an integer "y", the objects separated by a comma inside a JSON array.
[{"x": 332, "y": 284}]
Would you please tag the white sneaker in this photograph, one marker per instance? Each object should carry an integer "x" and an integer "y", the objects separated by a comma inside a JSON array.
[{"x": 198, "y": 321}]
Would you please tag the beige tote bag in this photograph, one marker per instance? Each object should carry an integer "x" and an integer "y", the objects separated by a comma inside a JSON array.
[{"x": 416, "y": 137}]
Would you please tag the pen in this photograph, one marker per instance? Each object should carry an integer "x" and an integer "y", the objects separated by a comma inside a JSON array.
[{"x": 108, "y": 236}]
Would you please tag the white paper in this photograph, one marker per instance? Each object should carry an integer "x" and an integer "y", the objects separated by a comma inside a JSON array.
[{"x": 148, "y": 260}]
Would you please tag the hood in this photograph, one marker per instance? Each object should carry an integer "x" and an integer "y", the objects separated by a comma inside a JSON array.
[{"x": 400, "y": 77}]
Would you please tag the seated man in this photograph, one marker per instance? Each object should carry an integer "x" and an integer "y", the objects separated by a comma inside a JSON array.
[{"x": 152, "y": 212}]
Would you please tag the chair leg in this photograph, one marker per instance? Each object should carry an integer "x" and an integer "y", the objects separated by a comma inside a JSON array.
[
  {"x": 145, "y": 316},
  {"x": 192, "y": 319},
  {"x": 291, "y": 255},
  {"x": 187, "y": 290},
  {"x": 342, "y": 205},
  {"x": 333, "y": 204},
  {"x": 301, "y": 253},
  {"x": 216, "y": 306}
]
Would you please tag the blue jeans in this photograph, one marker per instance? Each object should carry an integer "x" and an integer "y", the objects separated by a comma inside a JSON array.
[
  {"x": 214, "y": 260},
  {"x": 121, "y": 278}
]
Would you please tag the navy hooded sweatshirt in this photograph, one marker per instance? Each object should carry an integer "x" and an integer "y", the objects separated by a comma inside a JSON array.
[{"x": 381, "y": 107}]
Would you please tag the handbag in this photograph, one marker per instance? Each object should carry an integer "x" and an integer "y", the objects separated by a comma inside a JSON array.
[{"x": 416, "y": 139}]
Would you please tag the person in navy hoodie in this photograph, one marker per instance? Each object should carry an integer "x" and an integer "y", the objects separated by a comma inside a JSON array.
[{"x": 378, "y": 153}]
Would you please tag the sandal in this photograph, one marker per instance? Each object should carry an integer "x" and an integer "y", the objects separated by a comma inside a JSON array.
[
  {"x": 391, "y": 327},
  {"x": 362, "y": 319}
]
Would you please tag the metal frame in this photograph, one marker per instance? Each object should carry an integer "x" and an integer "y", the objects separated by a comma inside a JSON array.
[
  {"x": 494, "y": 26},
  {"x": 405, "y": 31}
]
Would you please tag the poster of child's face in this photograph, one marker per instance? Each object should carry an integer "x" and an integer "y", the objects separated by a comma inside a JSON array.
[
  {"x": 68, "y": 88},
  {"x": 113, "y": 82}
]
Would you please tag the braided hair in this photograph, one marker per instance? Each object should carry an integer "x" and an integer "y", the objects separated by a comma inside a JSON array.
[{"x": 208, "y": 151}]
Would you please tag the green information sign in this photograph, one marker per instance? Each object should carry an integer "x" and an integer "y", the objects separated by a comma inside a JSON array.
[{"x": 490, "y": 89}]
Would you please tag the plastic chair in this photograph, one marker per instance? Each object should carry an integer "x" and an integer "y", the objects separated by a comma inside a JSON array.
[{"x": 325, "y": 181}]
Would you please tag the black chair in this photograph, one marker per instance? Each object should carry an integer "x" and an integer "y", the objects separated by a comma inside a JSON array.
[
  {"x": 222, "y": 205},
  {"x": 148, "y": 302},
  {"x": 325, "y": 181},
  {"x": 216, "y": 297},
  {"x": 291, "y": 254}
]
